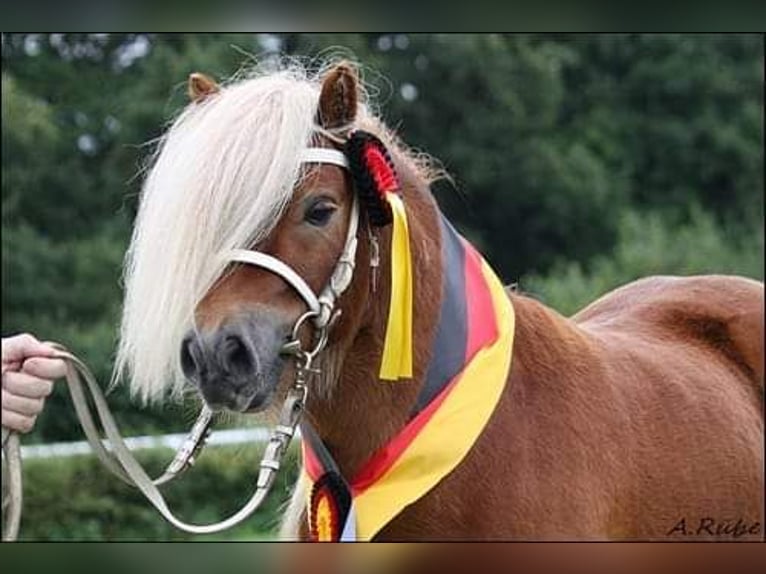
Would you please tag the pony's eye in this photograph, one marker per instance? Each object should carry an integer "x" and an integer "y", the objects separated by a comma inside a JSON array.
[{"x": 319, "y": 213}]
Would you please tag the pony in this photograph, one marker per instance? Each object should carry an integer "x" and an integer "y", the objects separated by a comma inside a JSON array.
[{"x": 640, "y": 417}]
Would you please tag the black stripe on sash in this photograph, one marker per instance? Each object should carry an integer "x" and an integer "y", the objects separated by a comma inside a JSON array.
[
  {"x": 448, "y": 351},
  {"x": 323, "y": 456}
]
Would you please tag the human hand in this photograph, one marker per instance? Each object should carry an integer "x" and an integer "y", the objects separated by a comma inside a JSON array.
[{"x": 28, "y": 371}]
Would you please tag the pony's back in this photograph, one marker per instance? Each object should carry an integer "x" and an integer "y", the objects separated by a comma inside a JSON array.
[{"x": 722, "y": 315}]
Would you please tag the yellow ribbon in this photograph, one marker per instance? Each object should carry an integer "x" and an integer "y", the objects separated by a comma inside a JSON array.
[{"x": 397, "y": 348}]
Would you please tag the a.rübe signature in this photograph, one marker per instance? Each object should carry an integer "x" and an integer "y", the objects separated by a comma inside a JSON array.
[{"x": 707, "y": 526}]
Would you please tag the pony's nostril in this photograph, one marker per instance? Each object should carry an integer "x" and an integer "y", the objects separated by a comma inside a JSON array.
[
  {"x": 237, "y": 355},
  {"x": 188, "y": 364}
]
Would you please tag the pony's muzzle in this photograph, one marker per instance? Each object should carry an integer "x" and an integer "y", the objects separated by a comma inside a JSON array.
[{"x": 236, "y": 366}]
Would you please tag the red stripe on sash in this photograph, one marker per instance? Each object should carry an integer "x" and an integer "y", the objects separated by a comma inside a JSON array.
[
  {"x": 482, "y": 323},
  {"x": 385, "y": 457},
  {"x": 310, "y": 462}
]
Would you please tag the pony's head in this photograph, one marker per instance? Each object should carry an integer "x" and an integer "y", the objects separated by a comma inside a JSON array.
[{"x": 232, "y": 175}]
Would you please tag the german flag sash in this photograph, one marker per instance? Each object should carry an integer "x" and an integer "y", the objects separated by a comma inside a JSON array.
[{"x": 471, "y": 361}]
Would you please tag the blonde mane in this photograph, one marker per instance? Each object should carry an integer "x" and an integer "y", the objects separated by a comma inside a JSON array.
[{"x": 220, "y": 179}]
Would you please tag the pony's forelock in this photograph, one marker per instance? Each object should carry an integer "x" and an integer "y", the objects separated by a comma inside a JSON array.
[{"x": 221, "y": 177}]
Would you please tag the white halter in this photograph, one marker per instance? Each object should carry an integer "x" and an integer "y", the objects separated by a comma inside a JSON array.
[{"x": 340, "y": 279}]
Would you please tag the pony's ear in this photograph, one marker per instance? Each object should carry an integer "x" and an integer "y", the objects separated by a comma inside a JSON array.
[
  {"x": 201, "y": 86},
  {"x": 339, "y": 96}
]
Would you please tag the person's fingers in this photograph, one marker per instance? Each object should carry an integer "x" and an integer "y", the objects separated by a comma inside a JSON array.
[
  {"x": 25, "y": 385},
  {"x": 11, "y": 365},
  {"x": 21, "y": 405},
  {"x": 19, "y": 347},
  {"x": 18, "y": 422},
  {"x": 44, "y": 368}
]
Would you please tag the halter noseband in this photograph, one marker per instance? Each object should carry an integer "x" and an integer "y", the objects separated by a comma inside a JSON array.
[{"x": 322, "y": 306}]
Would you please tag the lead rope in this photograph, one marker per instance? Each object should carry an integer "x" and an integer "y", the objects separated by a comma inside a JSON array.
[{"x": 121, "y": 462}]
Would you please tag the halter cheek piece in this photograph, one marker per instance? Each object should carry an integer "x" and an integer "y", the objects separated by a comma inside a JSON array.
[{"x": 321, "y": 307}]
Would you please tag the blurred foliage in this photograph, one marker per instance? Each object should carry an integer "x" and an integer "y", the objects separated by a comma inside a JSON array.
[
  {"x": 580, "y": 161},
  {"x": 648, "y": 244},
  {"x": 78, "y": 499}
]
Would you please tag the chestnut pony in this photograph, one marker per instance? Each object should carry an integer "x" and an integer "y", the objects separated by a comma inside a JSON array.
[{"x": 640, "y": 417}]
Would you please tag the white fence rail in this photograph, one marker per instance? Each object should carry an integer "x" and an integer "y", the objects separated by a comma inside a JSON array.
[{"x": 173, "y": 441}]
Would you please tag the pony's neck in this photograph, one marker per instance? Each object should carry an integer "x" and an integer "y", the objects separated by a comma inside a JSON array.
[{"x": 360, "y": 413}]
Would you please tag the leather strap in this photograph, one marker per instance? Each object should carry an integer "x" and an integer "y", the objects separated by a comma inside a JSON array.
[
  {"x": 278, "y": 267},
  {"x": 120, "y": 461},
  {"x": 324, "y": 155}
]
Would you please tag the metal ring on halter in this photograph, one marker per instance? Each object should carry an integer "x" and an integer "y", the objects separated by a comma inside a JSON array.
[
  {"x": 294, "y": 346},
  {"x": 301, "y": 320}
]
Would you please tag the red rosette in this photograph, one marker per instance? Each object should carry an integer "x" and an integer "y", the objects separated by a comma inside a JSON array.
[{"x": 380, "y": 168}]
